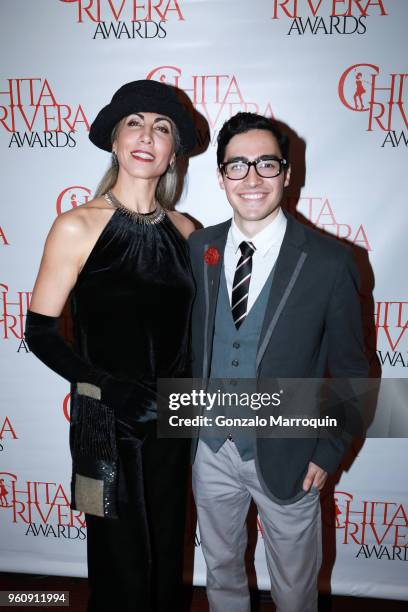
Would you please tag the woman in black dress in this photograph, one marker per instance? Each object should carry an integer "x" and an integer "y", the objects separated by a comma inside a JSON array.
[{"x": 123, "y": 260}]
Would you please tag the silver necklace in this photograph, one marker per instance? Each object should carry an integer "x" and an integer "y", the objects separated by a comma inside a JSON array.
[{"x": 152, "y": 218}]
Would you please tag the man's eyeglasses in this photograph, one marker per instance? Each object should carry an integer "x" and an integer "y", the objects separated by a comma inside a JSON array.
[{"x": 266, "y": 167}]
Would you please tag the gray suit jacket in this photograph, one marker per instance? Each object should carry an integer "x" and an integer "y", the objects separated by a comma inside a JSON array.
[{"x": 312, "y": 324}]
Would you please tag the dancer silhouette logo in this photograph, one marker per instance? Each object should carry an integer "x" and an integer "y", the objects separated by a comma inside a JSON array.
[
  {"x": 71, "y": 197},
  {"x": 380, "y": 97}
]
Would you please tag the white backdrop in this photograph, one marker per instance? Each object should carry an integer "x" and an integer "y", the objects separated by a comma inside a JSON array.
[{"x": 300, "y": 61}]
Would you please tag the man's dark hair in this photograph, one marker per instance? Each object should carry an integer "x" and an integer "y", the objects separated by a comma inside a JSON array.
[{"x": 243, "y": 122}]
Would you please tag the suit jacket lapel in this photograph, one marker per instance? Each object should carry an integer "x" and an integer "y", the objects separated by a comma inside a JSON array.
[
  {"x": 288, "y": 266},
  {"x": 212, "y": 275}
]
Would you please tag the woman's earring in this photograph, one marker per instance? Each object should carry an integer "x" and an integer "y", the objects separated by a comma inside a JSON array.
[
  {"x": 115, "y": 162},
  {"x": 172, "y": 166}
]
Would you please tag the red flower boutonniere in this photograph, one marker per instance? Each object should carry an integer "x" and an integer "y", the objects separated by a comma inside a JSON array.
[{"x": 212, "y": 256}]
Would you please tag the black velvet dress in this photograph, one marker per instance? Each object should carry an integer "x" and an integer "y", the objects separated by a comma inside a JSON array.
[{"x": 131, "y": 312}]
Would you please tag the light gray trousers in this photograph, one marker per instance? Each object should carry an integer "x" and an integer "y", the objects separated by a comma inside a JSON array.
[{"x": 223, "y": 486}]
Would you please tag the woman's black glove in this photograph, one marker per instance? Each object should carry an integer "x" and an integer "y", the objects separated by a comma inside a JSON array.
[{"x": 130, "y": 400}]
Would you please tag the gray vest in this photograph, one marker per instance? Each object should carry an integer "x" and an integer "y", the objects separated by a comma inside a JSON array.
[{"x": 234, "y": 356}]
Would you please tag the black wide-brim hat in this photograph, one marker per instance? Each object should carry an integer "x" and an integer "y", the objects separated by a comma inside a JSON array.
[{"x": 149, "y": 97}]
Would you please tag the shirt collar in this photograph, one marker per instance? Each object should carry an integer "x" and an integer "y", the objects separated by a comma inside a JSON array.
[{"x": 270, "y": 236}]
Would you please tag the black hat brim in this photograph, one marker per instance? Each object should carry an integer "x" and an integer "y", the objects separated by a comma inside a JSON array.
[{"x": 136, "y": 98}]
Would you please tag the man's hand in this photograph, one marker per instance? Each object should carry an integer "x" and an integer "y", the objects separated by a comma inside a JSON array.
[{"x": 315, "y": 476}]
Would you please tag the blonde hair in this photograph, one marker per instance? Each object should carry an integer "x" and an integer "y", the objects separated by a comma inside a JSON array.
[{"x": 168, "y": 184}]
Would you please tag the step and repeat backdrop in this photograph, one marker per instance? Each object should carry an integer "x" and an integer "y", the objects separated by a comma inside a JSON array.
[{"x": 334, "y": 72}]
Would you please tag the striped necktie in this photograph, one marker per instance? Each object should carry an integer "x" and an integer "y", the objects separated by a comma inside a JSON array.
[{"x": 240, "y": 286}]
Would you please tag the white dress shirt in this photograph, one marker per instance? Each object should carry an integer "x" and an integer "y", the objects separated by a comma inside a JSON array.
[{"x": 267, "y": 244}]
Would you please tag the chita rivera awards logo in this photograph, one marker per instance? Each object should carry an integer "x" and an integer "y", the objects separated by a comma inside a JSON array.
[
  {"x": 376, "y": 529},
  {"x": 391, "y": 323},
  {"x": 32, "y": 114},
  {"x": 127, "y": 19},
  {"x": 380, "y": 98},
  {"x": 328, "y": 17},
  {"x": 41, "y": 508},
  {"x": 71, "y": 197},
  {"x": 7, "y": 432},
  {"x": 216, "y": 96},
  {"x": 321, "y": 213}
]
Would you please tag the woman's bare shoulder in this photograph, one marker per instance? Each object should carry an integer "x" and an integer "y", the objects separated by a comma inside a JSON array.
[
  {"x": 83, "y": 220},
  {"x": 183, "y": 223}
]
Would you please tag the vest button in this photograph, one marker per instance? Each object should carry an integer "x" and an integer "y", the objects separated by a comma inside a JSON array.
[
  {"x": 236, "y": 345},
  {"x": 235, "y": 363}
]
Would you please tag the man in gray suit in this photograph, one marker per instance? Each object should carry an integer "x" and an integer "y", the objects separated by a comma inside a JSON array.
[{"x": 274, "y": 299}]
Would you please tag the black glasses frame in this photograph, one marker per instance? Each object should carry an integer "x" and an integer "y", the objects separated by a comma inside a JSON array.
[{"x": 282, "y": 164}]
